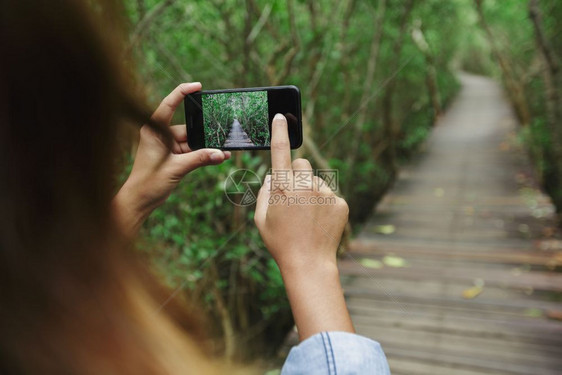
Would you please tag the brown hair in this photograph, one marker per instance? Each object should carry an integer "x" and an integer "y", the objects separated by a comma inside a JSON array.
[{"x": 74, "y": 297}]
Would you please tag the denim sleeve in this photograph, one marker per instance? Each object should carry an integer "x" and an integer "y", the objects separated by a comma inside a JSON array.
[{"x": 336, "y": 353}]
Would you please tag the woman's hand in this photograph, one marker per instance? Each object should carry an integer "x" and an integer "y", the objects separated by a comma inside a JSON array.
[
  {"x": 301, "y": 222},
  {"x": 158, "y": 169},
  {"x": 299, "y": 217}
]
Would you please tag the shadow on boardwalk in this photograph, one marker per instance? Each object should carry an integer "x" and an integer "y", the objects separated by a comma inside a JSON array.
[{"x": 462, "y": 282}]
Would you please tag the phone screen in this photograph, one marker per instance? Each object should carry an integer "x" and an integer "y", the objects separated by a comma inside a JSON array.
[
  {"x": 236, "y": 119},
  {"x": 240, "y": 119}
]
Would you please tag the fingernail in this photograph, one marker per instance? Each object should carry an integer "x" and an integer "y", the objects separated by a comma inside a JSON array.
[
  {"x": 227, "y": 154},
  {"x": 279, "y": 116},
  {"x": 217, "y": 156},
  {"x": 190, "y": 85}
]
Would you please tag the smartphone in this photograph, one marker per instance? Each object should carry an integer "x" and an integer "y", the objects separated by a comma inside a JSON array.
[{"x": 240, "y": 119}]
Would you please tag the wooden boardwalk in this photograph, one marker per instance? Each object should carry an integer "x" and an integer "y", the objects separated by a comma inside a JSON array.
[
  {"x": 237, "y": 137},
  {"x": 458, "y": 271}
]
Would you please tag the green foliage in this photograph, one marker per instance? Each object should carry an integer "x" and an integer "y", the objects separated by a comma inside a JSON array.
[
  {"x": 324, "y": 47},
  {"x": 516, "y": 41},
  {"x": 218, "y": 114}
]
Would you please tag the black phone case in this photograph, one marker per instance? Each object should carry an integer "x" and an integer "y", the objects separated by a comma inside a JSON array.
[{"x": 196, "y": 137}]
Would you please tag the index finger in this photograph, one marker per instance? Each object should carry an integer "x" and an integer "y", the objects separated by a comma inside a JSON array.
[
  {"x": 280, "y": 145},
  {"x": 167, "y": 107}
]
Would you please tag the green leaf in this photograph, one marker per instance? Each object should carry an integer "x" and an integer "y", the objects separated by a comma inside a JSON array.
[{"x": 371, "y": 263}]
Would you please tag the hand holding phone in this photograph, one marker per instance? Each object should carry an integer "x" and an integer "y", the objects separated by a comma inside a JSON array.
[
  {"x": 240, "y": 119},
  {"x": 157, "y": 169}
]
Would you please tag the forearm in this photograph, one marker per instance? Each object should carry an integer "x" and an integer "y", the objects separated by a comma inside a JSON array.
[
  {"x": 129, "y": 211},
  {"x": 316, "y": 299}
]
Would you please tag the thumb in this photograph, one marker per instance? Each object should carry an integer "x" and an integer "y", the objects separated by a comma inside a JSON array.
[{"x": 189, "y": 161}]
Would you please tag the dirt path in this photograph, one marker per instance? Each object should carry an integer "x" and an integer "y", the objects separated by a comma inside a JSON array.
[
  {"x": 237, "y": 136},
  {"x": 454, "y": 272}
]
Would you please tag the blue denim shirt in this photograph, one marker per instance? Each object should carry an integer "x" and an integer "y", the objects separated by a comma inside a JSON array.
[{"x": 336, "y": 353}]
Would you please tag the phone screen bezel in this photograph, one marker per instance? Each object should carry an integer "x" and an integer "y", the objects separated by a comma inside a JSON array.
[{"x": 194, "y": 115}]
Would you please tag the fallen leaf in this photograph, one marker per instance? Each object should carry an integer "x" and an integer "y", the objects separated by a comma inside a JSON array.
[
  {"x": 538, "y": 214},
  {"x": 371, "y": 263},
  {"x": 554, "y": 314},
  {"x": 472, "y": 292},
  {"x": 385, "y": 229},
  {"x": 394, "y": 261},
  {"x": 533, "y": 313}
]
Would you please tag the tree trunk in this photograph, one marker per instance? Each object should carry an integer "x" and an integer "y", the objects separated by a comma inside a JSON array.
[
  {"x": 226, "y": 321},
  {"x": 357, "y": 134},
  {"x": 514, "y": 87},
  {"x": 552, "y": 82},
  {"x": 431, "y": 78},
  {"x": 390, "y": 125},
  {"x": 144, "y": 24}
]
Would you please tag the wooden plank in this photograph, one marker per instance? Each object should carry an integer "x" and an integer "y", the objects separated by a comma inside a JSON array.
[
  {"x": 468, "y": 266},
  {"x": 466, "y": 352},
  {"x": 442, "y": 289},
  {"x": 514, "y": 257},
  {"x": 488, "y": 348},
  {"x": 467, "y": 321},
  {"x": 443, "y": 324},
  {"x": 377, "y": 243},
  {"x": 451, "y": 200},
  {"x": 445, "y": 359},
  {"x": 443, "y": 233},
  {"x": 407, "y": 366},
  {"x": 547, "y": 281},
  {"x": 509, "y": 307}
]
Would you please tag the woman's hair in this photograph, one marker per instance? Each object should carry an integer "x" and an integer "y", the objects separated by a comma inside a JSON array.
[{"x": 73, "y": 296}]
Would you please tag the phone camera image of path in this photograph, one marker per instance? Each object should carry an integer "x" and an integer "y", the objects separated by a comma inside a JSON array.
[{"x": 237, "y": 137}]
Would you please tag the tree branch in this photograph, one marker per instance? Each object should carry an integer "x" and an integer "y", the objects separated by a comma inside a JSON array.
[
  {"x": 185, "y": 76},
  {"x": 367, "y": 89},
  {"x": 545, "y": 48},
  {"x": 514, "y": 87},
  {"x": 144, "y": 24},
  {"x": 264, "y": 16},
  {"x": 391, "y": 126},
  {"x": 141, "y": 9},
  {"x": 290, "y": 57}
]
